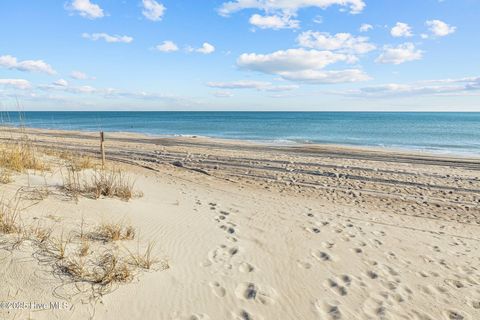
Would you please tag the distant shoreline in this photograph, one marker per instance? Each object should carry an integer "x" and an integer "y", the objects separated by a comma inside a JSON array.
[{"x": 237, "y": 144}]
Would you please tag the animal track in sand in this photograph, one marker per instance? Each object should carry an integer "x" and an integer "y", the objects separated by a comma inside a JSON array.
[
  {"x": 217, "y": 289},
  {"x": 251, "y": 292}
]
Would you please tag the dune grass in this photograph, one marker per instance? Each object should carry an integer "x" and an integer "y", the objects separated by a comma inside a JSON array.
[
  {"x": 20, "y": 157},
  {"x": 109, "y": 232},
  {"x": 9, "y": 218},
  {"x": 108, "y": 183}
]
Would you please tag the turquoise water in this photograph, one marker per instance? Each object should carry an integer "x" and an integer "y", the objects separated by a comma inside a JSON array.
[{"x": 457, "y": 133}]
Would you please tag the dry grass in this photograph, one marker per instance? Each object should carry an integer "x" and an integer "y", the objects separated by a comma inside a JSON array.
[
  {"x": 84, "y": 248},
  {"x": 9, "y": 216},
  {"x": 5, "y": 176},
  {"x": 143, "y": 260},
  {"x": 106, "y": 270},
  {"x": 41, "y": 235},
  {"x": 109, "y": 232},
  {"x": 20, "y": 157},
  {"x": 82, "y": 163},
  {"x": 112, "y": 183},
  {"x": 82, "y": 258},
  {"x": 57, "y": 247},
  {"x": 72, "y": 183}
]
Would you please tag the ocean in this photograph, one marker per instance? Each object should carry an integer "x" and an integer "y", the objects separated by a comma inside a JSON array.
[{"x": 455, "y": 133}]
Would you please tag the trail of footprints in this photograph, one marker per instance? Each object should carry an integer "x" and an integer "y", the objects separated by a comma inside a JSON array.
[
  {"x": 381, "y": 284},
  {"x": 225, "y": 259}
]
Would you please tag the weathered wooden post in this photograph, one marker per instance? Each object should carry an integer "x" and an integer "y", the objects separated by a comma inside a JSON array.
[{"x": 102, "y": 149}]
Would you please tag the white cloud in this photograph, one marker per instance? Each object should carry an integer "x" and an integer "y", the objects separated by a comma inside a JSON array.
[
  {"x": 108, "y": 38},
  {"x": 250, "y": 84},
  {"x": 274, "y": 22},
  {"x": 440, "y": 28},
  {"x": 12, "y": 63},
  {"x": 399, "y": 54},
  {"x": 78, "y": 75},
  {"x": 365, "y": 27},
  {"x": 16, "y": 83},
  {"x": 206, "y": 48},
  {"x": 431, "y": 87},
  {"x": 327, "y": 77},
  {"x": 167, "y": 46},
  {"x": 343, "y": 42},
  {"x": 401, "y": 30},
  {"x": 302, "y": 65},
  {"x": 223, "y": 94},
  {"x": 153, "y": 10},
  {"x": 287, "y": 6},
  {"x": 86, "y": 9},
  {"x": 318, "y": 19},
  {"x": 61, "y": 83}
]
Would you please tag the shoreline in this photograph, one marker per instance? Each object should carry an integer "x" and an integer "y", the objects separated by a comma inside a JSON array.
[{"x": 294, "y": 145}]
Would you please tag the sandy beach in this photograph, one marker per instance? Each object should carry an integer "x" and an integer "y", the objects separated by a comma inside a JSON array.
[{"x": 253, "y": 231}]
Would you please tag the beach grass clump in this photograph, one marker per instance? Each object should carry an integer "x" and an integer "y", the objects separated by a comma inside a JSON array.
[
  {"x": 108, "y": 232},
  {"x": 56, "y": 247},
  {"x": 9, "y": 216},
  {"x": 104, "y": 270},
  {"x": 5, "y": 176},
  {"x": 112, "y": 183},
  {"x": 82, "y": 163},
  {"x": 40, "y": 235},
  {"x": 84, "y": 248},
  {"x": 72, "y": 183},
  {"x": 112, "y": 269},
  {"x": 144, "y": 260},
  {"x": 21, "y": 157}
]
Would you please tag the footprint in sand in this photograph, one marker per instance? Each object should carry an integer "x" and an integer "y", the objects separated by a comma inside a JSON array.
[
  {"x": 201, "y": 316},
  {"x": 223, "y": 254},
  {"x": 328, "y": 244},
  {"x": 304, "y": 265},
  {"x": 336, "y": 287},
  {"x": 313, "y": 229},
  {"x": 456, "y": 315},
  {"x": 245, "y": 315},
  {"x": 251, "y": 292},
  {"x": 321, "y": 255},
  {"x": 328, "y": 310},
  {"x": 228, "y": 229},
  {"x": 245, "y": 267},
  {"x": 217, "y": 289}
]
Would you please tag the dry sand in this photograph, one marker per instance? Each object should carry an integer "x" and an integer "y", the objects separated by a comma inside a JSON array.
[{"x": 266, "y": 232}]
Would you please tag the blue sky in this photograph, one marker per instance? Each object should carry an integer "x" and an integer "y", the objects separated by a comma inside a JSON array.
[{"x": 240, "y": 55}]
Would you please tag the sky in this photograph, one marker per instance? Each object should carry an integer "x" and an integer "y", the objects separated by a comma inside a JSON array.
[{"x": 272, "y": 55}]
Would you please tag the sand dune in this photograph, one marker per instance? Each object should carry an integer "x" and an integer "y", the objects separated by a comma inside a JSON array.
[{"x": 267, "y": 232}]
